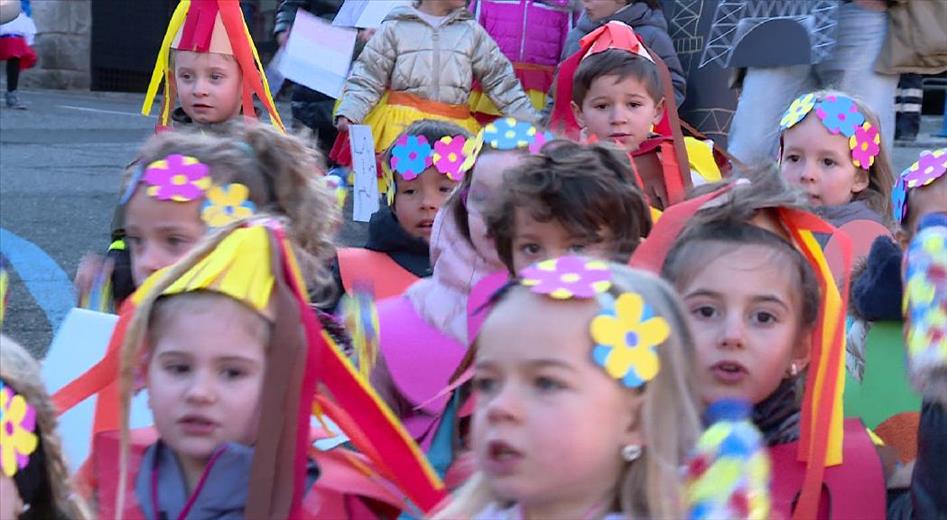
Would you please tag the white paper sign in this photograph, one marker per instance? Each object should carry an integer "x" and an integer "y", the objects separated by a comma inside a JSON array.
[
  {"x": 366, "y": 175},
  {"x": 365, "y": 14},
  {"x": 318, "y": 54}
]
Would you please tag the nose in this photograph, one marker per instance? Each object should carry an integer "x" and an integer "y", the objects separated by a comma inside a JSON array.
[
  {"x": 146, "y": 260},
  {"x": 430, "y": 200},
  {"x": 809, "y": 173},
  {"x": 201, "y": 87},
  {"x": 504, "y": 406},
  {"x": 618, "y": 115},
  {"x": 732, "y": 332},
  {"x": 201, "y": 388}
]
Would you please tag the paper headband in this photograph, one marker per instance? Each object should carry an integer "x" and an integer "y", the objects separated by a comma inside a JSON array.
[
  {"x": 182, "y": 178},
  {"x": 412, "y": 154},
  {"x": 626, "y": 331},
  {"x": 925, "y": 301},
  {"x": 511, "y": 134},
  {"x": 18, "y": 436},
  {"x": 931, "y": 166},
  {"x": 839, "y": 115}
]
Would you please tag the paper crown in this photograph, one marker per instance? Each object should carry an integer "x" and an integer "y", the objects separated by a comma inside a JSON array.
[
  {"x": 839, "y": 115},
  {"x": 412, "y": 154},
  {"x": 626, "y": 331},
  {"x": 211, "y": 26},
  {"x": 930, "y": 166},
  {"x": 820, "y": 443}
]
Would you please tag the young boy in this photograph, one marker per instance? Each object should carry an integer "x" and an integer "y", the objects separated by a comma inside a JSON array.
[
  {"x": 569, "y": 199},
  {"x": 397, "y": 251}
]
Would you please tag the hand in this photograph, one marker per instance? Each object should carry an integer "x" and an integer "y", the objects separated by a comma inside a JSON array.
[
  {"x": 281, "y": 37},
  {"x": 342, "y": 123}
]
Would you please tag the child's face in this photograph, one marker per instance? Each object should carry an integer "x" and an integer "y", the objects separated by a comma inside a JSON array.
[
  {"x": 487, "y": 179},
  {"x": 204, "y": 378},
  {"x": 619, "y": 110},
  {"x": 535, "y": 241},
  {"x": 209, "y": 85},
  {"x": 821, "y": 164},
  {"x": 417, "y": 201},
  {"x": 549, "y": 423},
  {"x": 160, "y": 232},
  {"x": 598, "y": 9},
  {"x": 748, "y": 333}
]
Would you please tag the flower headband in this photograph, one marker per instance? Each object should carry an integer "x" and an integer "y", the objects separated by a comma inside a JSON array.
[
  {"x": 183, "y": 178},
  {"x": 412, "y": 154},
  {"x": 931, "y": 166},
  {"x": 18, "y": 435},
  {"x": 839, "y": 115},
  {"x": 626, "y": 331}
]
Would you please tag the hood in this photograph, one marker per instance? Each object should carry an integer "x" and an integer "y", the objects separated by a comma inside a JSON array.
[
  {"x": 838, "y": 216},
  {"x": 406, "y": 12},
  {"x": 386, "y": 235},
  {"x": 635, "y": 15}
]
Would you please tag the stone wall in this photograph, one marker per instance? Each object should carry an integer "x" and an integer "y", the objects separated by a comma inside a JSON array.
[{"x": 63, "y": 41}]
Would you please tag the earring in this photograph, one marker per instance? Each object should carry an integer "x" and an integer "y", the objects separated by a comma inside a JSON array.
[
  {"x": 793, "y": 370},
  {"x": 630, "y": 452}
]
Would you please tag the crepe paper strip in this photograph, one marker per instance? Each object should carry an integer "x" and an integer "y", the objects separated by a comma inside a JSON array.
[
  {"x": 410, "y": 156},
  {"x": 729, "y": 473},
  {"x": 925, "y": 306},
  {"x": 626, "y": 333},
  {"x": 99, "y": 296},
  {"x": 861, "y": 234},
  {"x": 361, "y": 320},
  {"x": 820, "y": 442},
  {"x": 18, "y": 439},
  {"x": 177, "y": 177},
  {"x": 568, "y": 277},
  {"x": 227, "y": 204}
]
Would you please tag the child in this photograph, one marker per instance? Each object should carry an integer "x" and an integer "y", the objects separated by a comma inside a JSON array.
[
  {"x": 764, "y": 338},
  {"x": 420, "y": 65},
  {"x": 231, "y": 358},
  {"x": 17, "y": 32},
  {"x": 585, "y": 405},
  {"x": 648, "y": 21},
  {"x": 531, "y": 34},
  {"x": 259, "y": 168},
  {"x": 612, "y": 88},
  {"x": 831, "y": 148},
  {"x": 208, "y": 64},
  {"x": 435, "y": 313},
  {"x": 569, "y": 199},
  {"x": 34, "y": 479},
  {"x": 420, "y": 173}
]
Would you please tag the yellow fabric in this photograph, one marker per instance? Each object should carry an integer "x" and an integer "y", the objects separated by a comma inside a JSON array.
[
  {"x": 700, "y": 155},
  {"x": 655, "y": 214},
  {"x": 238, "y": 267},
  {"x": 118, "y": 245},
  {"x": 161, "y": 65},
  {"x": 482, "y": 104},
  {"x": 875, "y": 439},
  {"x": 388, "y": 121}
]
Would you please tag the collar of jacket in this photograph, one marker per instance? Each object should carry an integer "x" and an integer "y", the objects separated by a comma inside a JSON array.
[{"x": 406, "y": 12}]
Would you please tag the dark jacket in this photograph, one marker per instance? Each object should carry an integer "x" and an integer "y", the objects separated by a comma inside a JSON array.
[
  {"x": 877, "y": 290},
  {"x": 648, "y": 23},
  {"x": 386, "y": 235}
]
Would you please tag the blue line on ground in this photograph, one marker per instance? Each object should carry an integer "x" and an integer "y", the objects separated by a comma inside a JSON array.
[{"x": 44, "y": 279}]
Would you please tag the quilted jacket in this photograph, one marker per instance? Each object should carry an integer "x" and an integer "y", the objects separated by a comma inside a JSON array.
[
  {"x": 527, "y": 31},
  {"x": 436, "y": 63}
]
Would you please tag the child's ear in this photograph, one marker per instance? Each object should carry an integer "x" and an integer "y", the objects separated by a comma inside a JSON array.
[
  {"x": 861, "y": 181},
  {"x": 577, "y": 112},
  {"x": 800, "y": 355},
  {"x": 634, "y": 433},
  {"x": 658, "y": 112}
]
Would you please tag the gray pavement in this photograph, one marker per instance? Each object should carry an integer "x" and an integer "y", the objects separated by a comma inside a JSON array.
[{"x": 60, "y": 166}]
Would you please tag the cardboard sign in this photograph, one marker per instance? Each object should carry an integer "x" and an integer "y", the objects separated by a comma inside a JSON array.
[
  {"x": 79, "y": 343},
  {"x": 365, "y": 14},
  {"x": 318, "y": 54},
  {"x": 365, "y": 191}
]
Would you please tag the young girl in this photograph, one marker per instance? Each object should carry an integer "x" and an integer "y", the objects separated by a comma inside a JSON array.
[
  {"x": 765, "y": 338},
  {"x": 435, "y": 313},
  {"x": 421, "y": 64},
  {"x": 34, "y": 479},
  {"x": 421, "y": 169},
  {"x": 568, "y": 199},
  {"x": 17, "y": 32},
  {"x": 231, "y": 357},
  {"x": 831, "y": 147},
  {"x": 584, "y": 400}
]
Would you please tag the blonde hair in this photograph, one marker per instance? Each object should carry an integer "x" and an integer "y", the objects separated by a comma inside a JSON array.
[
  {"x": 283, "y": 175},
  {"x": 22, "y": 372},
  {"x": 880, "y": 176},
  {"x": 651, "y": 485}
]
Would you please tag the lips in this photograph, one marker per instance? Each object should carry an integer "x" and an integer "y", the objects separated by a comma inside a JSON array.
[
  {"x": 729, "y": 372},
  {"x": 426, "y": 224},
  {"x": 502, "y": 459},
  {"x": 197, "y": 425}
]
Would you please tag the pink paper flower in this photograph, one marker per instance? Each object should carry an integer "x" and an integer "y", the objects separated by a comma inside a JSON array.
[
  {"x": 449, "y": 156},
  {"x": 568, "y": 277},
  {"x": 865, "y": 145},
  {"x": 180, "y": 178}
]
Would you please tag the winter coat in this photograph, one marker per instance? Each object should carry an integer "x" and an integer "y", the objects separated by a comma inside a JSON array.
[
  {"x": 435, "y": 63},
  {"x": 548, "y": 23},
  {"x": 651, "y": 26},
  {"x": 916, "y": 41},
  {"x": 386, "y": 235},
  {"x": 877, "y": 290}
]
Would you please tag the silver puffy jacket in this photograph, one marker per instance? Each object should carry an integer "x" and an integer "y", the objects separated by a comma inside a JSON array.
[{"x": 439, "y": 64}]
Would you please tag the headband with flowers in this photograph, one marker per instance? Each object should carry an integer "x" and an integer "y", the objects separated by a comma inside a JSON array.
[
  {"x": 183, "y": 178},
  {"x": 840, "y": 115},
  {"x": 18, "y": 438},
  {"x": 930, "y": 166},
  {"x": 626, "y": 331}
]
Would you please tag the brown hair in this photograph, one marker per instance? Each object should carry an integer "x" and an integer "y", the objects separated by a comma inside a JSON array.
[
  {"x": 620, "y": 63},
  {"x": 650, "y": 486},
  {"x": 433, "y": 130},
  {"x": 283, "y": 175},
  {"x": 22, "y": 372},
  {"x": 585, "y": 188}
]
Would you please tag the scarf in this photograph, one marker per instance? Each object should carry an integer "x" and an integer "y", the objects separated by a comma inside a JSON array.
[{"x": 778, "y": 415}]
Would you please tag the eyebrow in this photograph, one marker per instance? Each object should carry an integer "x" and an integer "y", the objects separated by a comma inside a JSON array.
[
  {"x": 228, "y": 358},
  {"x": 532, "y": 363},
  {"x": 759, "y": 298}
]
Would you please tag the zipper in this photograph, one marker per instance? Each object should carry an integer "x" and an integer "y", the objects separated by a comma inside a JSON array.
[
  {"x": 525, "y": 5},
  {"x": 437, "y": 63}
]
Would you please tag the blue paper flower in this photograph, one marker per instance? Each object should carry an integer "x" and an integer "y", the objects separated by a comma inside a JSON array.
[
  {"x": 839, "y": 114},
  {"x": 509, "y": 134},
  {"x": 899, "y": 198},
  {"x": 411, "y": 155}
]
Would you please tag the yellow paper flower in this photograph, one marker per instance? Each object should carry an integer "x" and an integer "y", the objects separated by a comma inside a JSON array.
[
  {"x": 17, "y": 431},
  {"x": 627, "y": 335},
  {"x": 227, "y": 204}
]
